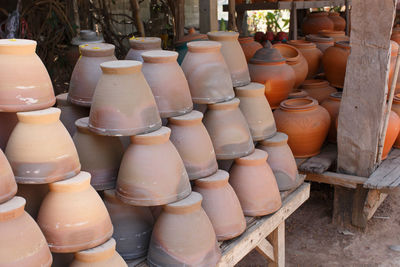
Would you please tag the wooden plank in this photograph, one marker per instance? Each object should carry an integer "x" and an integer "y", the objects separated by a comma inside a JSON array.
[
  {"x": 342, "y": 205},
  {"x": 266, "y": 249},
  {"x": 374, "y": 199},
  {"x": 208, "y": 11},
  {"x": 333, "y": 178},
  {"x": 321, "y": 162},
  {"x": 387, "y": 175},
  {"x": 277, "y": 238},
  {"x": 358, "y": 217}
]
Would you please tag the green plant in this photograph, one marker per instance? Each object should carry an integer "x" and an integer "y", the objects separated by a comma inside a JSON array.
[{"x": 276, "y": 22}]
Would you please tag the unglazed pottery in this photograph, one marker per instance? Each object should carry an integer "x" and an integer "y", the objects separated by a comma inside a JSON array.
[
  {"x": 25, "y": 84},
  {"x": 311, "y": 53},
  {"x": 167, "y": 82},
  {"x": 255, "y": 185},
  {"x": 152, "y": 172},
  {"x": 221, "y": 205},
  {"x": 392, "y": 133},
  {"x": 228, "y": 130},
  {"x": 140, "y": 45},
  {"x": 249, "y": 46},
  {"x": 40, "y": 149},
  {"x": 34, "y": 195},
  {"x": 233, "y": 55},
  {"x": 318, "y": 89},
  {"x": 207, "y": 73},
  {"x": 8, "y": 186},
  {"x": 297, "y": 93},
  {"x": 396, "y": 109},
  {"x": 305, "y": 122},
  {"x": 332, "y": 105},
  {"x": 334, "y": 62},
  {"x": 22, "y": 242},
  {"x": 99, "y": 155},
  {"x": 339, "y": 23},
  {"x": 322, "y": 42},
  {"x": 123, "y": 103},
  {"x": 183, "y": 236},
  {"x": 132, "y": 226},
  {"x": 87, "y": 72},
  {"x": 256, "y": 110},
  {"x": 8, "y": 120},
  {"x": 316, "y": 21},
  {"x": 191, "y": 139},
  {"x": 70, "y": 113},
  {"x": 181, "y": 44}
]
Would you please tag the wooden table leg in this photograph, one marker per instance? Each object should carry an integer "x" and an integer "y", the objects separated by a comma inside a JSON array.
[{"x": 277, "y": 239}]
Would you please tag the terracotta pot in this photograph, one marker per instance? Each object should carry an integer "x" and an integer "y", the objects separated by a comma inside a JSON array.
[
  {"x": 191, "y": 139},
  {"x": 70, "y": 113},
  {"x": 17, "y": 225},
  {"x": 34, "y": 195},
  {"x": 40, "y": 149},
  {"x": 73, "y": 217},
  {"x": 311, "y": 53},
  {"x": 306, "y": 123},
  {"x": 298, "y": 93},
  {"x": 84, "y": 37},
  {"x": 337, "y": 36},
  {"x": 8, "y": 187},
  {"x": 332, "y": 105},
  {"x": 394, "y": 48},
  {"x": 392, "y": 133},
  {"x": 256, "y": 110},
  {"x": 140, "y": 45},
  {"x": 322, "y": 42},
  {"x": 255, "y": 185},
  {"x": 152, "y": 172},
  {"x": 100, "y": 256},
  {"x": 8, "y": 120},
  {"x": 132, "y": 226},
  {"x": 181, "y": 44},
  {"x": 221, "y": 205},
  {"x": 207, "y": 73},
  {"x": 295, "y": 59},
  {"x": 315, "y": 22},
  {"x": 99, "y": 155},
  {"x": 233, "y": 55},
  {"x": 396, "y": 109},
  {"x": 167, "y": 82},
  {"x": 268, "y": 67},
  {"x": 318, "y": 89},
  {"x": 25, "y": 84},
  {"x": 129, "y": 108},
  {"x": 339, "y": 23},
  {"x": 87, "y": 72},
  {"x": 334, "y": 62},
  {"x": 228, "y": 130},
  {"x": 175, "y": 241},
  {"x": 249, "y": 46}
]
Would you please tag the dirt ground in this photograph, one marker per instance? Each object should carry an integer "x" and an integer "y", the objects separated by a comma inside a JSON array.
[{"x": 312, "y": 240}]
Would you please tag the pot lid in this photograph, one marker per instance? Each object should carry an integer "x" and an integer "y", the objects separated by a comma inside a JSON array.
[
  {"x": 87, "y": 37},
  {"x": 267, "y": 54}
]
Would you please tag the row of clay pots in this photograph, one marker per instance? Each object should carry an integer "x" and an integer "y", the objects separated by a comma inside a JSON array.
[{"x": 317, "y": 21}]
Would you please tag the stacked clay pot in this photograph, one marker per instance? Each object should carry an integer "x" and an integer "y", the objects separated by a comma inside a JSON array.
[
  {"x": 322, "y": 42},
  {"x": 70, "y": 113},
  {"x": 339, "y": 23},
  {"x": 315, "y": 22},
  {"x": 140, "y": 45},
  {"x": 8, "y": 186},
  {"x": 181, "y": 44},
  {"x": 249, "y": 47},
  {"x": 337, "y": 36},
  {"x": 318, "y": 89},
  {"x": 311, "y": 53},
  {"x": 332, "y": 105},
  {"x": 396, "y": 109},
  {"x": 392, "y": 132},
  {"x": 334, "y": 62}
]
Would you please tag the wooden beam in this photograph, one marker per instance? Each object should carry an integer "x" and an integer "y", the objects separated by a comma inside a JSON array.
[
  {"x": 387, "y": 175},
  {"x": 374, "y": 199},
  {"x": 266, "y": 250},
  {"x": 277, "y": 238},
  {"x": 333, "y": 178},
  {"x": 208, "y": 15},
  {"x": 321, "y": 162},
  {"x": 231, "y": 16}
]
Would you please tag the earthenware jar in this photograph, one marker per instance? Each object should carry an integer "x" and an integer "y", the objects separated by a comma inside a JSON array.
[
  {"x": 320, "y": 90},
  {"x": 255, "y": 185},
  {"x": 392, "y": 133},
  {"x": 82, "y": 38},
  {"x": 40, "y": 149},
  {"x": 295, "y": 59},
  {"x": 183, "y": 236},
  {"x": 25, "y": 84},
  {"x": 34, "y": 195},
  {"x": 207, "y": 73},
  {"x": 316, "y": 21},
  {"x": 298, "y": 93},
  {"x": 8, "y": 120},
  {"x": 152, "y": 172},
  {"x": 22, "y": 242},
  {"x": 249, "y": 46},
  {"x": 8, "y": 187},
  {"x": 396, "y": 109},
  {"x": 221, "y": 205},
  {"x": 268, "y": 67},
  {"x": 305, "y": 122},
  {"x": 191, "y": 139},
  {"x": 123, "y": 103},
  {"x": 311, "y": 53},
  {"x": 101, "y": 256},
  {"x": 140, "y": 45},
  {"x": 337, "y": 36},
  {"x": 99, "y": 155},
  {"x": 167, "y": 82},
  {"x": 281, "y": 160},
  {"x": 334, "y": 62},
  {"x": 228, "y": 130},
  {"x": 233, "y": 55},
  {"x": 132, "y": 226},
  {"x": 332, "y": 105},
  {"x": 322, "y": 42},
  {"x": 181, "y": 44},
  {"x": 339, "y": 23},
  {"x": 256, "y": 110},
  {"x": 70, "y": 113}
]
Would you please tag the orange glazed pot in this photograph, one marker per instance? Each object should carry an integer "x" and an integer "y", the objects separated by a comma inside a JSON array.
[
  {"x": 8, "y": 120},
  {"x": 311, "y": 53},
  {"x": 70, "y": 113},
  {"x": 34, "y": 195},
  {"x": 8, "y": 187},
  {"x": 318, "y": 89},
  {"x": 339, "y": 23},
  {"x": 392, "y": 133},
  {"x": 334, "y": 62},
  {"x": 322, "y": 42},
  {"x": 332, "y": 105},
  {"x": 305, "y": 122},
  {"x": 396, "y": 109},
  {"x": 249, "y": 46},
  {"x": 140, "y": 45},
  {"x": 315, "y": 22}
]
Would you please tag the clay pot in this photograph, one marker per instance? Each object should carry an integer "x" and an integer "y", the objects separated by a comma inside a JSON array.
[
  {"x": 256, "y": 110},
  {"x": 281, "y": 160},
  {"x": 140, "y": 45},
  {"x": 191, "y": 139},
  {"x": 34, "y": 195},
  {"x": 152, "y": 172},
  {"x": 311, "y": 53},
  {"x": 123, "y": 103},
  {"x": 334, "y": 62},
  {"x": 337, "y": 36},
  {"x": 233, "y": 55},
  {"x": 207, "y": 73},
  {"x": 22, "y": 242},
  {"x": 228, "y": 130},
  {"x": 181, "y": 44},
  {"x": 183, "y": 236},
  {"x": 249, "y": 46},
  {"x": 99, "y": 155},
  {"x": 8, "y": 120},
  {"x": 255, "y": 185},
  {"x": 82, "y": 38},
  {"x": 70, "y": 113},
  {"x": 268, "y": 67},
  {"x": 322, "y": 42},
  {"x": 320, "y": 90},
  {"x": 132, "y": 226},
  {"x": 298, "y": 93},
  {"x": 295, "y": 59},
  {"x": 167, "y": 82},
  {"x": 392, "y": 133},
  {"x": 221, "y": 205},
  {"x": 339, "y": 23},
  {"x": 73, "y": 217},
  {"x": 87, "y": 72},
  {"x": 25, "y": 84},
  {"x": 396, "y": 109},
  {"x": 332, "y": 105},
  {"x": 315, "y": 22},
  {"x": 8, "y": 187},
  {"x": 100, "y": 256},
  {"x": 40, "y": 149}
]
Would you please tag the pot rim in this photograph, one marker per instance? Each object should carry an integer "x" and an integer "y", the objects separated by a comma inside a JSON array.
[
  {"x": 298, "y": 104},
  {"x": 100, "y": 253},
  {"x": 223, "y": 35},
  {"x": 159, "y": 56},
  {"x": 17, "y": 46},
  {"x": 12, "y": 208},
  {"x": 314, "y": 83},
  {"x": 193, "y": 117},
  {"x": 218, "y": 179},
  {"x": 189, "y": 204},
  {"x": 302, "y": 44},
  {"x": 143, "y": 43},
  {"x": 258, "y": 157},
  {"x": 343, "y": 44},
  {"x": 278, "y": 139},
  {"x": 289, "y": 59},
  {"x": 204, "y": 46}
]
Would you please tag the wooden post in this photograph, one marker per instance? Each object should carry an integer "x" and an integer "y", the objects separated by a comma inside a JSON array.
[
  {"x": 178, "y": 10},
  {"x": 293, "y": 22},
  {"x": 231, "y": 16},
  {"x": 208, "y": 15},
  {"x": 76, "y": 16},
  {"x": 136, "y": 14}
]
